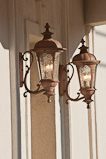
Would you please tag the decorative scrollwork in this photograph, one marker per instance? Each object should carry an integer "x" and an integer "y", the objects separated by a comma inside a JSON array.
[
  {"x": 25, "y": 78},
  {"x": 68, "y": 82},
  {"x": 25, "y": 94}
]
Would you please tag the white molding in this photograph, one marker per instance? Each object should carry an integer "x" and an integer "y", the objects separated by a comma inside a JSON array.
[
  {"x": 66, "y": 134},
  {"x": 14, "y": 77},
  {"x": 92, "y": 111}
]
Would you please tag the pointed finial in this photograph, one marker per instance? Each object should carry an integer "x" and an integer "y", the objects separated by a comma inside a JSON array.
[
  {"x": 47, "y": 26},
  {"x": 47, "y": 34},
  {"x": 88, "y": 106},
  {"x": 83, "y": 48},
  {"x": 82, "y": 41}
]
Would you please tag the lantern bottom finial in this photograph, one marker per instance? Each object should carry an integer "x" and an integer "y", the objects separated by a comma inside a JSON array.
[
  {"x": 88, "y": 106},
  {"x": 49, "y": 100},
  {"x": 49, "y": 87}
]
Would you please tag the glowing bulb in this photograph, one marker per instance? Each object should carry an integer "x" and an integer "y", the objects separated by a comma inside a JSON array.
[
  {"x": 86, "y": 77},
  {"x": 49, "y": 67}
]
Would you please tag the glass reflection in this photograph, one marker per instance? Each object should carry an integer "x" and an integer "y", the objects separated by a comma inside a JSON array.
[
  {"x": 85, "y": 76},
  {"x": 46, "y": 64}
]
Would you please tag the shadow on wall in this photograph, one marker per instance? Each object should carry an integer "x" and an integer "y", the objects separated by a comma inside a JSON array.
[
  {"x": 100, "y": 33},
  {"x": 5, "y": 106},
  {"x": 4, "y": 33},
  {"x": 102, "y": 65}
]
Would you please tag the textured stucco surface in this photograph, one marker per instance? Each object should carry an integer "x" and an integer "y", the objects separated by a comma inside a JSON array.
[
  {"x": 67, "y": 22},
  {"x": 95, "y": 12},
  {"x": 43, "y": 133}
]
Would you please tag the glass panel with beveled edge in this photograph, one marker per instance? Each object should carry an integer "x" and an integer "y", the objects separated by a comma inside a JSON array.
[
  {"x": 46, "y": 65},
  {"x": 56, "y": 67},
  {"x": 94, "y": 76},
  {"x": 85, "y": 76}
]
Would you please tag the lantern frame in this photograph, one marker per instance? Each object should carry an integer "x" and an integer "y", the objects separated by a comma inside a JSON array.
[
  {"x": 54, "y": 48},
  {"x": 82, "y": 59},
  {"x": 49, "y": 46}
]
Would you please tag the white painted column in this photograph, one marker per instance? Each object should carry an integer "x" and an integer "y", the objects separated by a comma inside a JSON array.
[
  {"x": 100, "y": 97},
  {"x": 14, "y": 83}
]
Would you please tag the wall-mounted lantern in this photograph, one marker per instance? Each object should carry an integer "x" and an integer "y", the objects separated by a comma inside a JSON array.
[
  {"x": 86, "y": 65},
  {"x": 47, "y": 51}
]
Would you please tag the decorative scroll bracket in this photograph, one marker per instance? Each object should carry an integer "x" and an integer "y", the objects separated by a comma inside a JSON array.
[
  {"x": 24, "y": 80},
  {"x": 21, "y": 69},
  {"x": 64, "y": 82}
]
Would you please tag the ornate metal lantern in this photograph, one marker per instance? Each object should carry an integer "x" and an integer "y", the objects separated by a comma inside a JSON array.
[
  {"x": 47, "y": 51},
  {"x": 86, "y": 65}
]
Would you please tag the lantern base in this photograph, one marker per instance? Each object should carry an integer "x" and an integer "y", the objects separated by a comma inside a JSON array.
[
  {"x": 87, "y": 92},
  {"x": 49, "y": 86}
]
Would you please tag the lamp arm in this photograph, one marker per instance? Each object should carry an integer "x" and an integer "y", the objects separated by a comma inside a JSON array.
[
  {"x": 25, "y": 78},
  {"x": 68, "y": 82}
]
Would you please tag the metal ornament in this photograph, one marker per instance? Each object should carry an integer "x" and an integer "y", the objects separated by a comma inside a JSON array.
[
  {"x": 86, "y": 65},
  {"x": 47, "y": 51}
]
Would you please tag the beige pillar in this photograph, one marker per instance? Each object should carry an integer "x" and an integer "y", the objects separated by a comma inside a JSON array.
[{"x": 43, "y": 134}]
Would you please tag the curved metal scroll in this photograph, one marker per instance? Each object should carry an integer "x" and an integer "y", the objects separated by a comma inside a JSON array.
[
  {"x": 25, "y": 78},
  {"x": 69, "y": 79}
]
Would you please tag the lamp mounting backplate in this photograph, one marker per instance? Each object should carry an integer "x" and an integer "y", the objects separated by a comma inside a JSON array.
[
  {"x": 21, "y": 69},
  {"x": 62, "y": 80}
]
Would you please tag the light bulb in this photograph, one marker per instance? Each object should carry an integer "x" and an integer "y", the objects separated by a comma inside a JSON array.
[
  {"x": 86, "y": 77},
  {"x": 49, "y": 67}
]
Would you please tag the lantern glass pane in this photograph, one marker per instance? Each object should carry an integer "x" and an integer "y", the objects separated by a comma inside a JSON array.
[
  {"x": 56, "y": 69},
  {"x": 46, "y": 64},
  {"x": 85, "y": 76},
  {"x": 94, "y": 76}
]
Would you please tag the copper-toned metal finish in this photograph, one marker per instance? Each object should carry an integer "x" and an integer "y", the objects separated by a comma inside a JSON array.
[
  {"x": 49, "y": 46},
  {"x": 62, "y": 80},
  {"x": 82, "y": 59},
  {"x": 25, "y": 78},
  {"x": 54, "y": 48},
  {"x": 49, "y": 87},
  {"x": 68, "y": 82}
]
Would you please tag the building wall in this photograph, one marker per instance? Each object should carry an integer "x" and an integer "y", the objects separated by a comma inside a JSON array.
[
  {"x": 68, "y": 28},
  {"x": 66, "y": 19},
  {"x": 99, "y": 48},
  {"x": 74, "y": 31},
  {"x": 95, "y": 12},
  {"x": 5, "y": 107}
]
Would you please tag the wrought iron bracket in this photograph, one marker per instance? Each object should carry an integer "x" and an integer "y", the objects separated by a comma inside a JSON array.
[
  {"x": 62, "y": 80},
  {"x": 65, "y": 81},
  {"x": 21, "y": 69},
  {"x": 23, "y": 80}
]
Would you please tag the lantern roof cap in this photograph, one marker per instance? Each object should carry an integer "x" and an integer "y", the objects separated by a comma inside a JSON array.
[
  {"x": 48, "y": 43},
  {"x": 84, "y": 56}
]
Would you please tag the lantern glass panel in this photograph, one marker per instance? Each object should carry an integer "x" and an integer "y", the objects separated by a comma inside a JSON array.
[
  {"x": 85, "y": 76},
  {"x": 56, "y": 69},
  {"x": 94, "y": 76},
  {"x": 46, "y": 64}
]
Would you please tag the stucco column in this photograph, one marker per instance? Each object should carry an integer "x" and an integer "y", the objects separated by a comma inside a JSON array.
[{"x": 43, "y": 134}]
